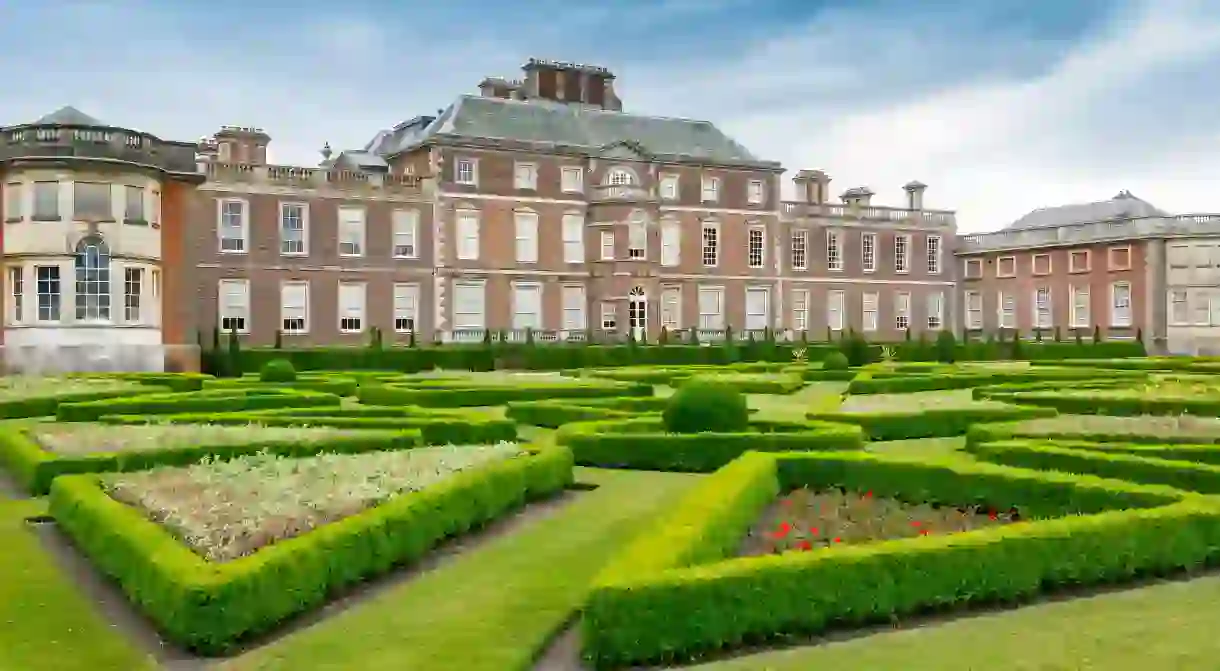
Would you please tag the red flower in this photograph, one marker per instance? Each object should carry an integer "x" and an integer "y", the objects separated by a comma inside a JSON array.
[
  {"x": 838, "y": 540},
  {"x": 783, "y": 530},
  {"x": 804, "y": 545},
  {"x": 991, "y": 515},
  {"x": 868, "y": 495},
  {"x": 924, "y": 532},
  {"x": 785, "y": 502},
  {"x": 914, "y": 523},
  {"x": 813, "y": 530}
]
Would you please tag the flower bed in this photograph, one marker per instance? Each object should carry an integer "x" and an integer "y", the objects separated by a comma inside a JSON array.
[
  {"x": 38, "y": 454},
  {"x": 876, "y": 382},
  {"x": 208, "y": 400},
  {"x": 644, "y": 444},
  {"x": 676, "y": 592},
  {"x": 1150, "y": 429},
  {"x": 328, "y": 384},
  {"x": 209, "y": 606},
  {"x": 453, "y": 394},
  {"x": 1170, "y": 466},
  {"x": 1161, "y": 400}
]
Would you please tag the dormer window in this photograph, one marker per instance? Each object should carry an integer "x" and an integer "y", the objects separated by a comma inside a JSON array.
[{"x": 620, "y": 177}]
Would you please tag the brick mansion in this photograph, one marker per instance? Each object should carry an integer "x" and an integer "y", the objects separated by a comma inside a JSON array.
[{"x": 543, "y": 204}]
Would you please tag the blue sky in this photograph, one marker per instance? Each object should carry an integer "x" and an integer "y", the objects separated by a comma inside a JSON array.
[{"x": 1000, "y": 106}]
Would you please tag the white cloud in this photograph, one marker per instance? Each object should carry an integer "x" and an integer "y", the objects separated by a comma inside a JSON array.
[{"x": 998, "y": 120}]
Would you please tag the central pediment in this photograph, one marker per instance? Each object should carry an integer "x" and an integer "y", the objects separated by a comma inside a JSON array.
[{"x": 624, "y": 150}]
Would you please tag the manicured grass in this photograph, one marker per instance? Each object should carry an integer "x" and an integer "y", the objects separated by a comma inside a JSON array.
[
  {"x": 1167, "y": 626},
  {"x": 45, "y": 621},
  {"x": 824, "y": 395},
  {"x": 490, "y": 610}
]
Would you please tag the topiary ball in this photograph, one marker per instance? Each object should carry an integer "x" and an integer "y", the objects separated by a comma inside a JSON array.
[
  {"x": 704, "y": 406},
  {"x": 835, "y": 361},
  {"x": 278, "y": 370}
]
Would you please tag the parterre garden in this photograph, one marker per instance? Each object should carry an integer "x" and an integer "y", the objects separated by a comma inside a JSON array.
[{"x": 781, "y": 514}]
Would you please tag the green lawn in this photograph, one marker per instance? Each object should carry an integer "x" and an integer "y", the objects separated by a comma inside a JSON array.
[
  {"x": 45, "y": 622},
  {"x": 1167, "y": 626},
  {"x": 492, "y": 609}
]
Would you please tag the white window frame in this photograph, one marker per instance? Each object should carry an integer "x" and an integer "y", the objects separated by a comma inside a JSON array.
[
  {"x": 799, "y": 249},
  {"x": 1081, "y": 309},
  {"x": 868, "y": 252},
  {"x": 525, "y": 236},
  {"x": 525, "y": 176},
  {"x": 935, "y": 248},
  {"x": 468, "y": 238},
  {"x": 935, "y": 305},
  {"x": 233, "y": 303},
  {"x": 523, "y": 319},
  {"x": 1110, "y": 265},
  {"x": 974, "y": 310},
  {"x": 670, "y": 184},
  {"x": 1088, "y": 261},
  {"x": 1033, "y": 265},
  {"x": 133, "y": 295},
  {"x": 1043, "y": 310},
  {"x": 56, "y": 192},
  {"x": 609, "y": 316},
  {"x": 999, "y": 267},
  {"x": 404, "y": 232},
  {"x": 834, "y": 251},
  {"x": 671, "y": 307},
  {"x": 406, "y": 307},
  {"x": 16, "y": 293},
  {"x": 800, "y": 310},
  {"x": 573, "y": 224},
  {"x": 711, "y": 319},
  {"x": 710, "y": 192},
  {"x": 80, "y": 188},
  {"x": 1117, "y": 319},
  {"x": 466, "y": 171},
  {"x": 637, "y": 240},
  {"x": 606, "y": 245},
  {"x": 756, "y": 246},
  {"x": 573, "y": 305},
  {"x": 709, "y": 245},
  {"x": 836, "y": 304},
  {"x": 285, "y": 241},
  {"x": 755, "y": 193},
  {"x": 134, "y": 204},
  {"x": 1006, "y": 310},
  {"x": 902, "y": 253},
  {"x": 226, "y": 225},
  {"x": 671, "y": 243},
  {"x": 352, "y": 232},
  {"x": 473, "y": 320},
  {"x": 967, "y": 264},
  {"x": 14, "y": 201},
  {"x": 902, "y": 311},
  {"x": 290, "y": 310},
  {"x": 758, "y": 320},
  {"x": 1178, "y": 301},
  {"x": 572, "y": 179},
  {"x": 355, "y": 309},
  {"x": 870, "y": 304}
]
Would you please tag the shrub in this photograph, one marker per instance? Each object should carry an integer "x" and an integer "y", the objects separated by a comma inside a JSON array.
[
  {"x": 706, "y": 406},
  {"x": 835, "y": 361},
  {"x": 946, "y": 346},
  {"x": 278, "y": 370}
]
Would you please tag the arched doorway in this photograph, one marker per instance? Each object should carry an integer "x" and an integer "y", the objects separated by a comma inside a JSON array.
[{"x": 637, "y": 313}]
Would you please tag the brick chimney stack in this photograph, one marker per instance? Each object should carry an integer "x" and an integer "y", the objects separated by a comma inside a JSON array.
[
  {"x": 242, "y": 144},
  {"x": 570, "y": 83},
  {"x": 915, "y": 191},
  {"x": 812, "y": 186}
]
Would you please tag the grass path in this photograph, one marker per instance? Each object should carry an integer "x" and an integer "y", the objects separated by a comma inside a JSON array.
[
  {"x": 45, "y": 621},
  {"x": 490, "y": 610},
  {"x": 1167, "y": 626}
]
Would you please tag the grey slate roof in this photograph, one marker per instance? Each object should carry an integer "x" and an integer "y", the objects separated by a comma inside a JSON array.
[
  {"x": 571, "y": 125},
  {"x": 68, "y": 116},
  {"x": 1123, "y": 206},
  {"x": 361, "y": 159}
]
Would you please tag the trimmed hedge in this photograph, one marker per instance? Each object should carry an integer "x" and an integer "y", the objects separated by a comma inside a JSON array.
[
  {"x": 643, "y": 443},
  {"x": 208, "y": 400},
  {"x": 210, "y": 607},
  {"x": 986, "y": 433},
  {"x": 451, "y": 394},
  {"x": 662, "y": 599},
  {"x": 41, "y": 406},
  {"x": 1119, "y": 403},
  {"x": 929, "y": 422},
  {"x": 1196, "y": 453},
  {"x": 1004, "y": 391},
  {"x": 748, "y": 383},
  {"x": 339, "y": 386},
  {"x": 554, "y": 414},
  {"x": 1184, "y": 475},
  {"x": 871, "y": 383},
  {"x": 438, "y": 429},
  {"x": 34, "y": 468},
  {"x": 173, "y": 381}
]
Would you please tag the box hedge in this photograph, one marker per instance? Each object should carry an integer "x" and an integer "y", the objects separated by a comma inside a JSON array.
[
  {"x": 210, "y": 607},
  {"x": 928, "y": 422},
  {"x": 44, "y": 405},
  {"x": 34, "y": 468},
  {"x": 984, "y": 433},
  {"x": 1148, "y": 469},
  {"x": 748, "y": 383},
  {"x": 451, "y": 394},
  {"x": 329, "y": 384},
  {"x": 643, "y": 443},
  {"x": 1119, "y": 402},
  {"x": 208, "y": 400},
  {"x": 437, "y": 429},
  {"x": 671, "y": 594},
  {"x": 554, "y": 414},
  {"x": 879, "y": 383}
]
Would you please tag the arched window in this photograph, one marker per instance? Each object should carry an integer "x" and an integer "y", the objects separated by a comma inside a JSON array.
[
  {"x": 92, "y": 279},
  {"x": 620, "y": 177}
]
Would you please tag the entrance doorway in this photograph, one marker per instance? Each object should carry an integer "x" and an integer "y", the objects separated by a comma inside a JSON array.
[{"x": 637, "y": 313}]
